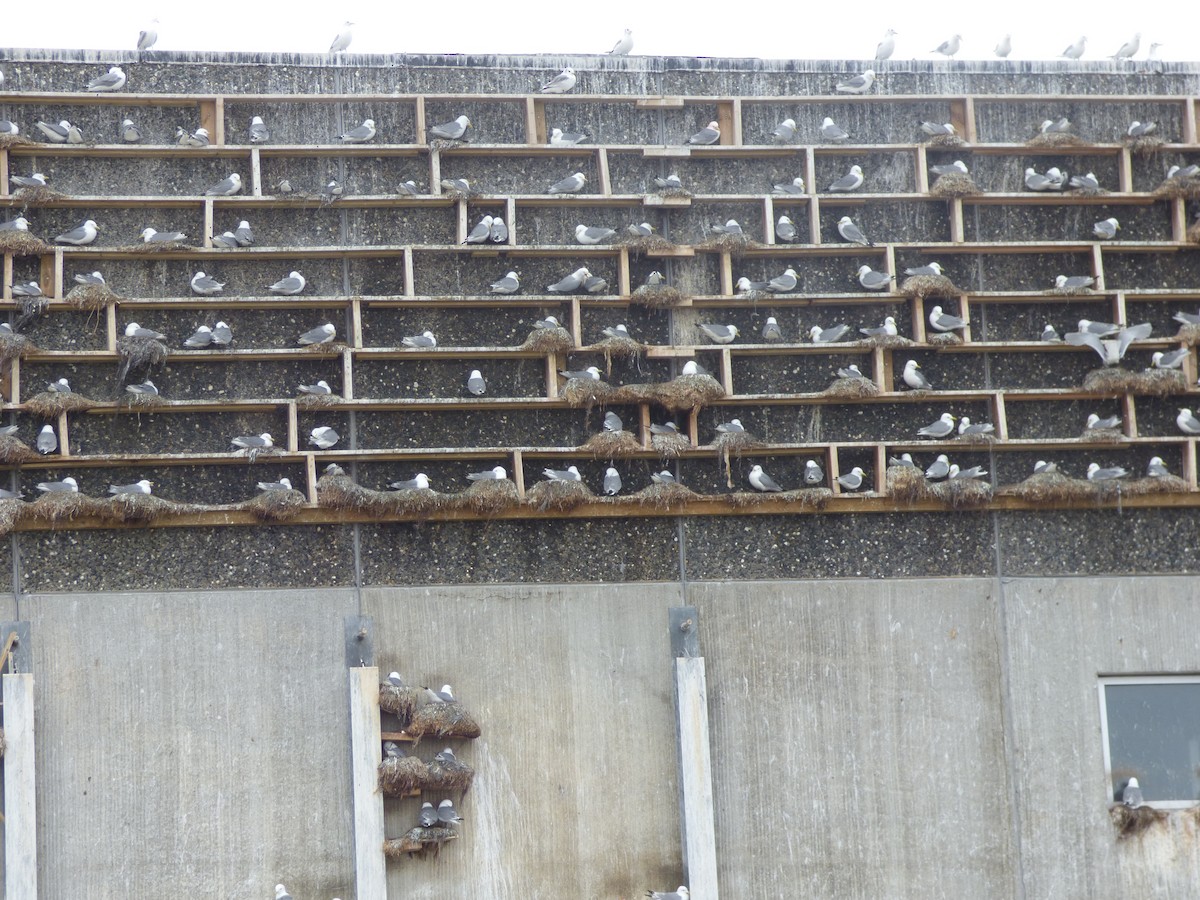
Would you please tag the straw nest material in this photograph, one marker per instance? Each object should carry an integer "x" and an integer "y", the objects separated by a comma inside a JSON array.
[
  {"x": 1157, "y": 484},
  {"x": 886, "y": 340},
  {"x": 340, "y": 492},
  {"x": 653, "y": 243},
  {"x": 455, "y": 195},
  {"x": 91, "y": 296},
  {"x": 38, "y": 196},
  {"x": 329, "y": 348},
  {"x": 15, "y": 346},
  {"x": 449, "y": 775},
  {"x": 140, "y": 352},
  {"x": 1187, "y": 188},
  {"x": 672, "y": 193},
  {"x": 14, "y": 451},
  {"x": 851, "y": 387},
  {"x": 144, "y": 401},
  {"x": 443, "y": 719},
  {"x": 22, "y": 243},
  {"x": 305, "y": 400},
  {"x": 1159, "y": 382},
  {"x": 401, "y": 776},
  {"x": 1131, "y": 822},
  {"x": 946, "y": 140},
  {"x": 275, "y": 506},
  {"x": 962, "y": 493},
  {"x": 658, "y": 296},
  {"x": 619, "y": 347},
  {"x": 688, "y": 392},
  {"x": 1113, "y": 380},
  {"x": 1071, "y": 291},
  {"x": 559, "y": 496},
  {"x": 977, "y": 438},
  {"x": 1102, "y": 435},
  {"x": 610, "y": 444},
  {"x": 582, "y": 392},
  {"x": 1189, "y": 334},
  {"x": 663, "y": 496},
  {"x": 735, "y": 443},
  {"x": 807, "y": 498},
  {"x": 11, "y": 512},
  {"x": 670, "y": 446},
  {"x": 954, "y": 184},
  {"x": 65, "y": 506},
  {"x": 929, "y": 286},
  {"x": 13, "y": 140},
  {"x": 418, "y": 841},
  {"x": 906, "y": 483},
  {"x": 734, "y": 244},
  {"x": 943, "y": 338},
  {"x": 147, "y": 508},
  {"x": 549, "y": 340},
  {"x": 156, "y": 247},
  {"x": 486, "y": 497},
  {"x": 400, "y": 701},
  {"x": 49, "y": 404},
  {"x": 1056, "y": 139},
  {"x": 1147, "y": 145},
  {"x": 1050, "y": 487},
  {"x": 1193, "y": 232}
]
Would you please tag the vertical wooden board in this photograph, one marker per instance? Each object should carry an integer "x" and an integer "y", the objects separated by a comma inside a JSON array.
[
  {"x": 365, "y": 756},
  {"x": 725, "y": 120},
  {"x": 255, "y": 172},
  {"x": 208, "y": 223},
  {"x": 348, "y": 375},
  {"x": 1125, "y": 171},
  {"x": 602, "y": 169},
  {"x": 4, "y": 172},
  {"x": 698, "y": 824},
  {"x": 292, "y": 428},
  {"x": 1189, "y": 462},
  {"x": 419, "y": 120},
  {"x": 769, "y": 219},
  {"x": 968, "y": 132},
  {"x": 356, "y": 323},
  {"x": 623, "y": 287},
  {"x": 435, "y": 173},
  {"x": 14, "y": 381},
  {"x": 1000, "y": 416},
  {"x": 510, "y": 215},
  {"x": 409, "y": 287},
  {"x": 576, "y": 321},
  {"x": 964, "y": 310},
  {"x": 20, "y": 799},
  {"x": 218, "y": 136},
  {"x": 463, "y": 227},
  {"x": 518, "y": 470},
  {"x": 727, "y": 370},
  {"x": 1098, "y": 266},
  {"x": 208, "y": 118},
  {"x": 814, "y": 220},
  {"x": 735, "y": 121},
  {"x": 46, "y": 274},
  {"x": 5, "y": 293},
  {"x": 552, "y": 374},
  {"x": 922, "y": 162},
  {"x": 918, "y": 319},
  {"x": 310, "y": 476},
  {"x": 726, "y": 268},
  {"x": 58, "y": 273},
  {"x": 1129, "y": 414},
  {"x": 64, "y": 436},
  {"x": 110, "y": 322}
]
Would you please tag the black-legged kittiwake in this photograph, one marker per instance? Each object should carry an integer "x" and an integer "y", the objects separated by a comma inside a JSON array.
[{"x": 291, "y": 285}]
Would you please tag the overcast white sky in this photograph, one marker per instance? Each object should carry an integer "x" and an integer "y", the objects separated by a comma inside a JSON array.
[{"x": 749, "y": 28}]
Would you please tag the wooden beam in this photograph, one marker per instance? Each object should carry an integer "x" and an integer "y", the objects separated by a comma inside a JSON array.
[
  {"x": 293, "y": 429},
  {"x": 531, "y": 125},
  {"x": 46, "y": 274},
  {"x": 208, "y": 225},
  {"x": 624, "y": 287},
  {"x": 602, "y": 172},
  {"x": 698, "y": 820},
  {"x": 922, "y": 163},
  {"x": 58, "y": 273},
  {"x": 552, "y": 375},
  {"x": 1189, "y": 121},
  {"x": 419, "y": 120},
  {"x": 510, "y": 216},
  {"x": 576, "y": 328},
  {"x": 348, "y": 374},
  {"x": 110, "y": 326},
  {"x": 726, "y": 269},
  {"x": 1129, "y": 414},
  {"x": 409, "y": 286},
  {"x": 1125, "y": 171},
  {"x": 20, "y": 790},
  {"x": 356, "y": 339},
  {"x": 1000, "y": 416},
  {"x": 64, "y": 437},
  {"x": 769, "y": 219},
  {"x": 462, "y": 226},
  {"x": 366, "y": 752},
  {"x": 1189, "y": 463},
  {"x": 256, "y": 173},
  {"x": 518, "y": 472},
  {"x": 957, "y": 231},
  {"x": 310, "y": 477},
  {"x": 727, "y": 370},
  {"x": 1098, "y": 265}
]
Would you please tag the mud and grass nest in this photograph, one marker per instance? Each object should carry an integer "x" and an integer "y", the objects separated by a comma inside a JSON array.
[
  {"x": 139, "y": 353},
  {"x": 954, "y": 184},
  {"x": 1157, "y": 484},
  {"x": 487, "y": 497},
  {"x": 945, "y": 140},
  {"x": 733, "y": 244},
  {"x": 549, "y": 340},
  {"x": 962, "y": 493},
  {"x": 610, "y": 445},
  {"x": 1186, "y": 188},
  {"x": 646, "y": 244},
  {"x": 1189, "y": 334},
  {"x": 14, "y": 451},
  {"x": 1102, "y": 435},
  {"x": 399, "y": 700},
  {"x": 401, "y": 776},
  {"x": 65, "y": 506},
  {"x": 907, "y": 483},
  {"x": 275, "y": 506},
  {"x": 1148, "y": 145},
  {"x": 558, "y": 496},
  {"x": 1114, "y": 380},
  {"x": 329, "y": 348},
  {"x": 50, "y": 404},
  {"x": 449, "y": 775},
  {"x": 735, "y": 443},
  {"x": 658, "y": 296},
  {"x": 1131, "y": 821},
  {"x": 444, "y": 719},
  {"x": 979, "y": 437},
  {"x": 886, "y": 340},
  {"x": 22, "y": 243},
  {"x": 688, "y": 392},
  {"x": 157, "y": 247},
  {"x": 143, "y": 401},
  {"x": 146, "y": 508},
  {"x": 1056, "y": 139},
  {"x": 922, "y": 286},
  {"x": 454, "y": 195},
  {"x": 587, "y": 392},
  {"x": 618, "y": 348},
  {"x": 670, "y": 446},
  {"x": 341, "y": 492},
  {"x": 1050, "y": 487},
  {"x": 39, "y": 196},
  {"x": 11, "y": 512},
  {"x": 943, "y": 338},
  {"x": 418, "y": 841},
  {"x": 15, "y": 346},
  {"x": 13, "y": 140},
  {"x": 1159, "y": 382},
  {"x": 91, "y": 296},
  {"x": 806, "y": 498},
  {"x": 663, "y": 496},
  {"x": 671, "y": 193},
  {"x": 305, "y": 400},
  {"x": 852, "y": 387}
]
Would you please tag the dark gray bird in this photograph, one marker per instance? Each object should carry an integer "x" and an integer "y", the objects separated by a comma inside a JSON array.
[
  {"x": 904, "y": 460},
  {"x": 784, "y": 132},
  {"x": 476, "y": 384},
  {"x": 720, "y": 334},
  {"x": 793, "y": 188},
  {"x": 1086, "y": 182},
  {"x": 408, "y": 188},
  {"x": 447, "y": 814},
  {"x": 571, "y": 283},
  {"x": 391, "y": 750},
  {"x": 1050, "y": 334},
  {"x": 958, "y": 167},
  {"x": 321, "y": 388},
  {"x": 613, "y": 423},
  {"x": 323, "y": 437},
  {"x": 291, "y": 285},
  {"x": 61, "y": 386},
  {"x": 94, "y": 278},
  {"x": 423, "y": 341},
  {"x": 461, "y": 185},
  {"x": 428, "y": 816},
  {"x": 200, "y": 338},
  {"x": 227, "y": 187},
  {"x": 851, "y": 371},
  {"x": 831, "y": 131},
  {"x": 222, "y": 335},
  {"x": 595, "y": 284},
  {"x": 671, "y": 182},
  {"x": 226, "y": 241}
]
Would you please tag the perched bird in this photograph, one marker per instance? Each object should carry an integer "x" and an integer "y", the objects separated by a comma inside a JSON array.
[
  {"x": 152, "y": 236},
  {"x": 680, "y": 893},
  {"x": 771, "y": 330},
  {"x": 1041, "y": 467},
  {"x": 691, "y": 367},
  {"x": 612, "y": 482},
  {"x": 197, "y": 138},
  {"x": 548, "y": 322},
  {"x": 1073, "y": 282},
  {"x": 36, "y": 180},
  {"x": 904, "y": 460},
  {"x": 322, "y": 334},
  {"x": 1095, "y": 473},
  {"x": 148, "y": 36},
  {"x": 1106, "y": 229},
  {"x": 1131, "y": 796},
  {"x": 1075, "y": 50},
  {"x": 284, "y": 186},
  {"x": 1108, "y": 422},
  {"x": 94, "y": 278},
  {"x": 719, "y": 334},
  {"x": 447, "y": 815},
  {"x": 1186, "y": 318},
  {"x": 1141, "y": 129},
  {"x": 591, "y": 373},
  {"x": 283, "y": 484},
  {"x": 332, "y": 190},
  {"x": 874, "y": 281},
  {"x": 226, "y": 187},
  {"x": 321, "y": 388},
  {"x": 851, "y": 181},
  {"x": 831, "y": 131},
  {"x": 784, "y": 132},
  {"x": 481, "y": 232},
  {"x": 1086, "y": 182},
  {"x": 79, "y": 236},
  {"x": 226, "y": 241},
  {"x": 885, "y": 48},
  {"x": 342, "y": 41},
  {"x": 851, "y": 371},
  {"x": 813, "y": 473},
  {"x": 624, "y": 45},
  {"x": 1050, "y": 334},
  {"x": 887, "y": 329},
  {"x": 1129, "y": 48},
  {"x": 733, "y": 426},
  {"x": 391, "y": 750},
  {"x": 423, "y": 341},
  {"x": 202, "y": 284},
  {"x": 709, "y": 134},
  {"x": 222, "y": 335},
  {"x": 291, "y": 285},
  {"x": 62, "y": 133},
  {"x": 859, "y": 84},
  {"x": 1036, "y": 182},
  {"x": 138, "y": 487},
  {"x": 943, "y": 427},
  {"x": 613, "y": 423},
  {"x": 323, "y": 437},
  {"x": 476, "y": 384},
  {"x": 572, "y": 184},
  {"x": 7, "y": 126},
  {"x": 570, "y": 473},
  {"x": 820, "y": 335},
  {"x": 499, "y": 231},
  {"x": 957, "y": 474},
  {"x": 253, "y": 441},
  {"x": 509, "y": 284},
  {"x": 359, "y": 135},
  {"x": 130, "y": 133},
  {"x": 61, "y": 386},
  {"x": 852, "y": 480},
  {"x": 785, "y": 283},
  {"x": 958, "y": 167},
  {"x": 745, "y": 285},
  {"x": 560, "y": 83},
  {"x": 67, "y": 486},
  {"x": 1182, "y": 172},
  {"x": 453, "y": 130},
  {"x": 1171, "y": 360},
  {"x": 134, "y": 330},
  {"x": 851, "y": 232},
  {"x": 560, "y": 138},
  {"x": 47, "y": 440},
  {"x": 1156, "y": 468},
  {"x": 944, "y": 321},
  {"x": 427, "y": 817},
  {"x": 498, "y": 473},
  {"x": 731, "y": 227},
  {"x": 914, "y": 378},
  {"x": 20, "y": 223},
  {"x": 571, "y": 283},
  {"x": 243, "y": 234},
  {"x": 1187, "y": 422},
  {"x": 785, "y": 230},
  {"x": 664, "y": 477},
  {"x": 593, "y": 234},
  {"x": 935, "y": 129},
  {"x": 112, "y": 80},
  {"x": 671, "y": 182},
  {"x": 29, "y": 289},
  {"x": 1004, "y": 47},
  {"x": 408, "y": 188},
  {"x": 950, "y": 47},
  {"x": 933, "y": 268},
  {"x": 258, "y": 131},
  {"x": 616, "y": 331},
  {"x": 145, "y": 389},
  {"x": 939, "y": 468},
  {"x": 761, "y": 481},
  {"x": 420, "y": 482},
  {"x": 967, "y": 428}
]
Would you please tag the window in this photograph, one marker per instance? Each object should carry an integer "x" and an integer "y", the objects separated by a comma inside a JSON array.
[{"x": 1151, "y": 730}]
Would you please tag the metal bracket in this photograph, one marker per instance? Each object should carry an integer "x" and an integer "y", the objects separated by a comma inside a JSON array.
[
  {"x": 360, "y": 641},
  {"x": 685, "y": 631},
  {"x": 19, "y": 659}
]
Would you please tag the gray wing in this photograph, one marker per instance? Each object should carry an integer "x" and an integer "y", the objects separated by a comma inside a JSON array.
[
  {"x": 598, "y": 234},
  {"x": 836, "y": 333},
  {"x": 286, "y": 285},
  {"x": 75, "y": 234},
  {"x": 505, "y": 285},
  {"x": 845, "y": 183},
  {"x": 852, "y": 232},
  {"x": 107, "y": 80},
  {"x": 768, "y": 483},
  {"x": 567, "y": 185},
  {"x": 361, "y": 133},
  {"x": 1087, "y": 339},
  {"x": 221, "y": 187},
  {"x": 1131, "y": 334}
]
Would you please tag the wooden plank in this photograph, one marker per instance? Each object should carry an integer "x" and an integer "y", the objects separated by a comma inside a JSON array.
[
  {"x": 769, "y": 219},
  {"x": 1125, "y": 171},
  {"x": 922, "y": 162},
  {"x": 663, "y": 102},
  {"x": 1000, "y": 416},
  {"x": 1119, "y": 311},
  {"x": 208, "y": 224},
  {"x": 552, "y": 375},
  {"x": 255, "y": 172},
  {"x": 409, "y": 286},
  {"x": 218, "y": 136},
  {"x": 518, "y": 473},
  {"x": 58, "y": 273},
  {"x": 110, "y": 323},
  {"x": 7, "y": 281},
  {"x": 419, "y": 120},
  {"x": 969, "y": 132},
  {"x": 644, "y": 425},
  {"x": 1098, "y": 265},
  {"x": 918, "y": 319},
  {"x": 602, "y": 169},
  {"x": 3, "y": 171},
  {"x": 727, "y": 370},
  {"x": 435, "y": 173},
  {"x": 208, "y": 118},
  {"x": 510, "y": 216},
  {"x": 531, "y": 128},
  {"x": 46, "y": 274},
  {"x": 366, "y": 753},
  {"x": 14, "y": 381},
  {"x": 964, "y": 310},
  {"x": 64, "y": 437},
  {"x": 1189, "y": 121},
  {"x": 735, "y": 122},
  {"x": 1179, "y": 223},
  {"x": 957, "y": 232},
  {"x": 20, "y": 794},
  {"x": 623, "y": 283},
  {"x": 348, "y": 375},
  {"x": 1129, "y": 414},
  {"x": 292, "y": 429},
  {"x": 576, "y": 321},
  {"x": 310, "y": 477},
  {"x": 356, "y": 340},
  {"x": 698, "y": 821},
  {"x": 462, "y": 226},
  {"x": 881, "y": 362},
  {"x": 880, "y": 469},
  {"x": 1189, "y": 463},
  {"x": 726, "y": 270}
]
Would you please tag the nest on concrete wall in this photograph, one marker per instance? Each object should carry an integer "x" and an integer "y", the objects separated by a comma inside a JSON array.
[
  {"x": 399, "y": 776},
  {"x": 91, "y": 296},
  {"x": 807, "y": 498},
  {"x": 977, "y": 438},
  {"x": 156, "y": 247},
  {"x": 688, "y": 391},
  {"x": 618, "y": 347},
  {"x": 662, "y": 496},
  {"x": 549, "y": 340},
  {"x": 1049, "y": 487},
  {"x": 906, "y": 483},
  {"x": 22, "y": 243},
  {"x": 447, "y": 719},
  {"x": 611, "y": 444},
  {"x": 658, "y": 296},
  {"x": 1148, "y": 145},
  {"x": 586, "y": 392},
  {"x": 1187, "y": 188},
  {"x": 670, "y": 446},
  {"x": 735, "y": 443},
  {"x": 140, "y": 353},
  {"x": 11, "y": 512},
  {"x": 1101, "y": 435},
  {"x": 1157, "y": 484},
  {"x": 671, "y": 193},
  {"x": 418, "y": 841},
  {"x": 1189, "y": 334},
  {"x": 275, "y": 505},
  {"x": 559, "y": 496},
  {"x": 15, "y": 346},
  {"x": 942, "y": 338},
  {"x": 486, "y": 497},
  {"x": 144, "y": 401},
  {"x": 1159, "y": 382},
  {"x": 945, "y": 140},
  {"x": 733, "y": 244},
  {"x": 329, "y": 348},
  {"x": 65, "y": 506},
  {"x": 400, "y": 701},
  {"x": 852, "y": 387},
  {"x": 305, "y": 400},
  {"x": 449, "y": 775},
  {"x": 49, "y": 404},
  {"x": 962, "y": 493},
  {"x": 1134, "y": 821},
  {"x": 146, "y": 508},
  {"x": 14, "y": 451},
  {"x": 38, "y": 196},
  {"x": 1114, "y": 380},
  {"x": 922, "y": 286},
  {"x": 644, "y": 244},
  {"x": 13, "y": 140},
  {"x": 954, "y": 184},
  {"x": 885, "y": 340},
  {"x": 1056, "y": 139}
]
